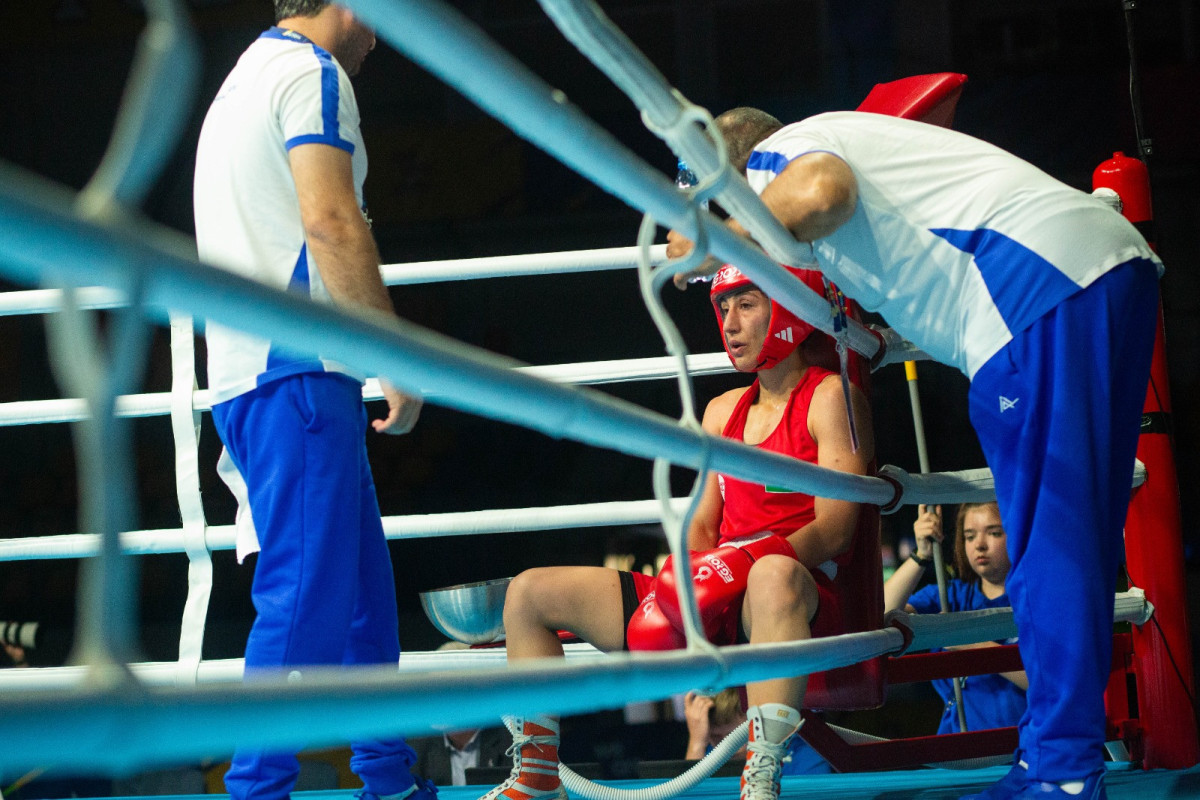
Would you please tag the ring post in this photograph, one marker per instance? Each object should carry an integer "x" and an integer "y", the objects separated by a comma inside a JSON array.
[
  {"x": 1162, "y": 657},
  {"x": 939, "y": 565}
]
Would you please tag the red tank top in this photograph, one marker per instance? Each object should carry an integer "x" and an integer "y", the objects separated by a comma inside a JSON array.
[{"x": 752, "y": 507}]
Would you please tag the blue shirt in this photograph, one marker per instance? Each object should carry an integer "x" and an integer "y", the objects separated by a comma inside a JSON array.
[
  {"x": 991, "y": 701},
  {"x": 802, "y": 759}
]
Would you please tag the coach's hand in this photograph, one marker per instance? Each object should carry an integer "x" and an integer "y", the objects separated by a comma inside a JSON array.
[{"x": 403, "y": 411}]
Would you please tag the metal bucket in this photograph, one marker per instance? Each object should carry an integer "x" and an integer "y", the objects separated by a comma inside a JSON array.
[{"x": 469, "y": 612}]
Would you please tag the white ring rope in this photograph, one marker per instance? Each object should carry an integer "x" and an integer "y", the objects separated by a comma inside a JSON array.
[
  {"x": 928, "y": 631},
  {"x": 27, "y": 412},
  {"x": 415, "y": 526},
  {"x": 514, "y": 266},
  {"x": 948, "y": 488},
  {"x": 43, "y": 301}
]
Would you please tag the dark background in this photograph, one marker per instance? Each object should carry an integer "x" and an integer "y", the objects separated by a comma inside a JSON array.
[{"x": 1048, "y": 81}]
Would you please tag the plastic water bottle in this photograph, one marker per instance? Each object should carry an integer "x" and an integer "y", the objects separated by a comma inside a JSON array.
[{"x": 685, "y": 179}]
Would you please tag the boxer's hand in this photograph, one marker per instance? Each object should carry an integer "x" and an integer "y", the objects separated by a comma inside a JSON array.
[
  {"x": 719, "y": 576},
  {"x": 649, "y": 629}
]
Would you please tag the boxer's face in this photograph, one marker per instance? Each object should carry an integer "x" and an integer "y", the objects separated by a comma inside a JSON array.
[{"x": 745, "y": 318}]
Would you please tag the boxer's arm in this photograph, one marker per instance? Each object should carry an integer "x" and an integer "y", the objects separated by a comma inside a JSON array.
[
  {"x": 706, "y": 522},
  {"x": 705, "y": 529},
  {"x": 832, "y": 530}
]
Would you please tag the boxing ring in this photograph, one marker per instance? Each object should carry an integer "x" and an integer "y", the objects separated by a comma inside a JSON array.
[{"x": 122, "y": 717}]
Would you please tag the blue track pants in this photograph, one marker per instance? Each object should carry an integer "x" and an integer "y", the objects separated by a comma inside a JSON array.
[
  {"x": 1057, "y": 412},
  {"x": 323, "y": 585}
]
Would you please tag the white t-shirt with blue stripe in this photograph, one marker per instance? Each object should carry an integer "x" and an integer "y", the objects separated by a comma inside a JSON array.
[
  {"x": 284, "y": 91},
  {"x": 957, "y": 243}
]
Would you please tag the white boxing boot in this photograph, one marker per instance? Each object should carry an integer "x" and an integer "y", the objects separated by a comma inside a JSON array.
[
  {"x": 534, "y": 753},
  {"x": 772, "y": 725}
]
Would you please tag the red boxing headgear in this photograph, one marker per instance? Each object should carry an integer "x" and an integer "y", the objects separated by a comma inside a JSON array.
[{"x": 785, "y": 332}]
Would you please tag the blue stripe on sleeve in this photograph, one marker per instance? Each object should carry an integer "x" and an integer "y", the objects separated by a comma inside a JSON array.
[
  {"x": 320, "y": 138},
  {"x": 330, "y": 97},
  {"x": 767, "y": 161},
  {"x": 1022, "y": 284},
  {"x": 284, "y": 34},
  {"x": 329, "y": 93}
]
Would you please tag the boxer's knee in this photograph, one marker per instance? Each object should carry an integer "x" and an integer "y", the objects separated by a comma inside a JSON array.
[
  {"x": 779, "y": 586},
  {"x": 525, "y": 598}
]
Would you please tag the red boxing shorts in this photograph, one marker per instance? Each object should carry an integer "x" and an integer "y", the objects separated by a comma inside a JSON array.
[{"x": 654, "y": 623}]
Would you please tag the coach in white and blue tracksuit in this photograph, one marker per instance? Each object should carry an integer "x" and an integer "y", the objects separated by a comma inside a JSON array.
[
  {"x": 1046, "y": 298},
  {"x": 278, "y": 198}
]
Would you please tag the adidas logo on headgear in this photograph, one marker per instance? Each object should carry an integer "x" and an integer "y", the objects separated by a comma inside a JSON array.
[{"x": 785, "y": 334}]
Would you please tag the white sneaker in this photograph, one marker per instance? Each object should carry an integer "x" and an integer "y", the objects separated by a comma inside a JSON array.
[{"x": 534, "y": 753}]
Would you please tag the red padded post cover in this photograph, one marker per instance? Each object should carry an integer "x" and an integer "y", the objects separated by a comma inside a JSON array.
[{"x": 926, "y": 98}]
